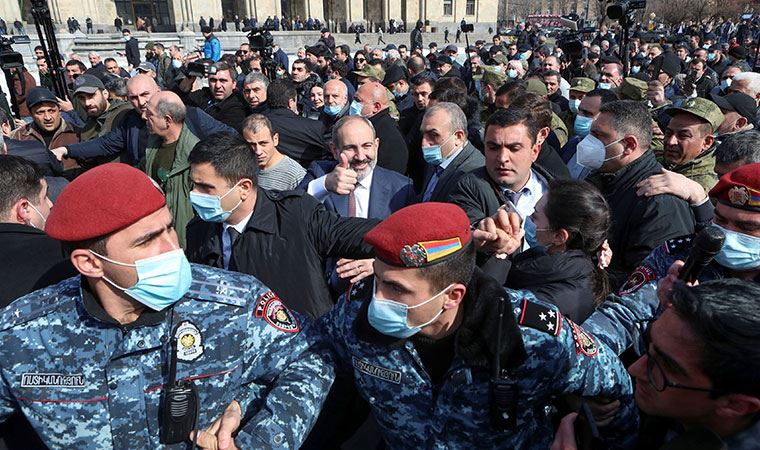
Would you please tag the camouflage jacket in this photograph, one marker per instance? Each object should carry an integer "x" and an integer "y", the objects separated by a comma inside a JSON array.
[
  {"x": 545, "y": 356},
  {"x": 87, "y": 383}
]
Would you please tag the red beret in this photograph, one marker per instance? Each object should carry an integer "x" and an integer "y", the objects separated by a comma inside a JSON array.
[
  {"x": 420, "y": 235},
  {"x": 103, "y": 200},
  {"x": 739, "y": 188}
]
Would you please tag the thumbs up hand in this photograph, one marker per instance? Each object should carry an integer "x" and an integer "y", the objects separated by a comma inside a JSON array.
[{"x": 342, "y": 180}]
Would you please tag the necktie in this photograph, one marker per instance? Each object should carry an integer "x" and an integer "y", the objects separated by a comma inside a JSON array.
[
  {"x": 352, "y": 204},
  {"x": 513, "y": 197},
  {"x": 234, "y": 235},
  {"x": 433, "y": 183}
]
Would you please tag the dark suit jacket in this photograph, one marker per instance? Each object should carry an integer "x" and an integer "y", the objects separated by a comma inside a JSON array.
[
  {"x": 392, "y": 154},
  {"x": 300, "y": 138},
  {"x": 285, "y": 245},
  {"x": 388, "y": 193},
  {"x": 468, "y": 160}
]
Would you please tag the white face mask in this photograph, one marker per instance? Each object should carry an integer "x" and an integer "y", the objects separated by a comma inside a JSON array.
[{"x": 591, "y": 152}]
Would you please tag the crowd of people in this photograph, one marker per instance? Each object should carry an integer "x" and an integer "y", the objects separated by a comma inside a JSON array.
[{"x": 396, "y": 247}]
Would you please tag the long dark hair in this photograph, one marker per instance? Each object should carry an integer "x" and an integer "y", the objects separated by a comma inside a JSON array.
[{"x": 582, "y": 210}]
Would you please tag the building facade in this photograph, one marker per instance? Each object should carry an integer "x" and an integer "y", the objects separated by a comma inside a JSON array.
[{"x": 176, "y": 15}]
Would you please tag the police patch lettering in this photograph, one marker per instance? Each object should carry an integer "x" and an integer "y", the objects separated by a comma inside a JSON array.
[
  {"x": 280, "y": 317},
  {"x": 262, "y": 303},
  {"x": 189, "y": 342},
  {"x": 393, "y": 376},
  {"x": 584, "y": 343},
  {"x": 639, "y": 277},
  {"x": 52, "y": 380},
  {"x": 540, "y": 317}
]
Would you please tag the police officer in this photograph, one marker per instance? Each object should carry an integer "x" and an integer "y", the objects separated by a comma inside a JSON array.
[
  {"x": 424, "y": 336},
  {"x": 737, "y": 213},
  {"x": 88, "y": 360}
]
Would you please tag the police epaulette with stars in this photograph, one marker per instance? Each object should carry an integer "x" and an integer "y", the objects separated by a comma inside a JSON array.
[
  {"x": 679, "y": 244},
  {"x": 540, "y": 317},
  {"x": 360, "y": 290}
]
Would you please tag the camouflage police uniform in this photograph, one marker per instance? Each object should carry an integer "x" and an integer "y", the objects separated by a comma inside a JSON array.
[
  {"x": 545, "y": 356},
  {"x": 84, "y": 383}
]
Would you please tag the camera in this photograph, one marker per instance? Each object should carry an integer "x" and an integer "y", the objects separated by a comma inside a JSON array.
[
  {"x": 10, "y": 59},
  {"x": 199, "y": 69},
  {"x": 261, "y": 40},
  {"x": 622, "y": 8}
]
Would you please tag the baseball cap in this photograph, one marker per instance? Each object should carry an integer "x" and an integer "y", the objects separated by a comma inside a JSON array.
[
  {"x": 40, "y": 95},
  {"x": 451, "y": 48},
  {"x": 89, "y": 84},
  {"x": 582, "y": 84},
  {"x": 738, "y": 102},
  {"x": 145, "y": 67},
  {"x": 702, "y": 108}
]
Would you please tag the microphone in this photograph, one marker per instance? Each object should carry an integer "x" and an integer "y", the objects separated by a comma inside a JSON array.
[{"x": 707, "y": 244}]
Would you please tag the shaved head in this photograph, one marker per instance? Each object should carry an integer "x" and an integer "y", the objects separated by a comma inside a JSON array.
[{"x": 140, "y": 89}]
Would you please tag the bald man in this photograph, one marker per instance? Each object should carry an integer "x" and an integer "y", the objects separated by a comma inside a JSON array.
[
  {"x": 131, "y": 134},
  {"x": 336, "y": 105},
  {"x": 371, "y": 101},
  {"x": 168, "y": 147}
]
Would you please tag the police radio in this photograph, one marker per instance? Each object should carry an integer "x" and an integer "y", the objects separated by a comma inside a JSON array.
[
  {"x": 503, "y": 388},
  {"x": 179, "y": 405}
]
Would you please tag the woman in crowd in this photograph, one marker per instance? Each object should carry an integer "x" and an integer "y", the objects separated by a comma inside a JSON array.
[{"x": 571, "y": 220}]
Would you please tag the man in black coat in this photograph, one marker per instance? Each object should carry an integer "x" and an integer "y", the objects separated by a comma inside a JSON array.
[
  {"x": 373, "y": 99},
  {"x": 132, "y": 50},
  {"x": 622, "y": 159},
  {"x": 30, "y": 260},
  {"x": 300, "y": 138},
  {"x": 282, "y": 237},
  {"x": 220, "y": 100}
]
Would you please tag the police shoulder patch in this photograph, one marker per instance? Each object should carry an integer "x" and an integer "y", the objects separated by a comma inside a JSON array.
[
  {"x": 540, "y": 317},
  {"x": 679, "y": 244},
  {"x": 641, "y": 276},
  {"x": 276, "y": 314},
  {"x": 584, "y": 342}
]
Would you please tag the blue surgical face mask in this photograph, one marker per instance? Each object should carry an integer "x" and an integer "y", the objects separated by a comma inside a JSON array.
[
  {"x": 582, "y": 125},
  {"x": 605, "y": 86},
  {"x": 176, "y": 63},
  {"x": 530, "y": 233},
  {"x": 161, "y": 280},
  {"x": 739, "y": 252},
  {"x": 512, "y": 73},
  {"x": 522, "y": 56},
  {"x": 711, "y": 57},
  {"x": 574, "y": 104},
  {"x": 391, "y": 317},
  {"x": 209, "y": 207},
  {"x": 635, "y": 69},
  {"x": 433, "y": 154},
  {"x": 725, "y": 84},
  {"x": 355, "y": 109},
  {"x": 332, "y": 110}
]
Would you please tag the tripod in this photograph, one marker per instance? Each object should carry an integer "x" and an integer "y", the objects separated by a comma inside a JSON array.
[{"x": 49, "y": 44}]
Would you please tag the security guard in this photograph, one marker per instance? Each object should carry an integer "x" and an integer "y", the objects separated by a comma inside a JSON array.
[
  {"x": 618, "y": 322},
  {"x": 447, "y": 358},
  {"x": 89, "y": 361},
  {"x": 737, "y": 213}
]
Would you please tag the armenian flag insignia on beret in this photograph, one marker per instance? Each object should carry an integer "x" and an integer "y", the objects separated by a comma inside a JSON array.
[{"x": 420, "y": 235}]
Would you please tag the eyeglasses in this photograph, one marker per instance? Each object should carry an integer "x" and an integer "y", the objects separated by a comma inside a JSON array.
[
  {"x": 360, "y": 59},
  {"x": 657, "y": 378}
]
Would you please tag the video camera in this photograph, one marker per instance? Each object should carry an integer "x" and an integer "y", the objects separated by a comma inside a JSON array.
[
  {"x": 622, "y": 8},
  {"x": 571, "y": 40},
  {"x": 261, "y": 41},
  {"x": 10, "y": 59},
  {"x": 199, "y": 69}
]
